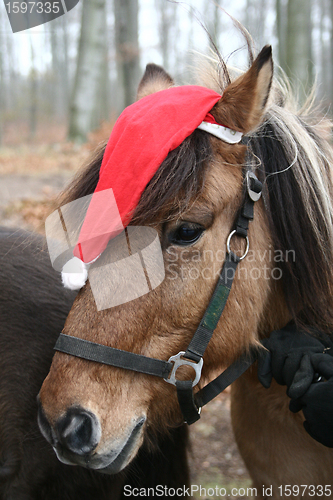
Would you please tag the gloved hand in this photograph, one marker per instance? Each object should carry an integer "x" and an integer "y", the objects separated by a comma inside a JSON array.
[
  {"x": 288, "y": 359},
  {"x": 317, "y": 402}
]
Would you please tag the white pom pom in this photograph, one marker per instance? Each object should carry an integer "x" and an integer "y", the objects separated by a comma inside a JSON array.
[{"x": 74, "y": 274}]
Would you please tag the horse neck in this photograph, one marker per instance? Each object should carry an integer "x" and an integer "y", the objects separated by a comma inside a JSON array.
[{"x": 276, "y": 313}]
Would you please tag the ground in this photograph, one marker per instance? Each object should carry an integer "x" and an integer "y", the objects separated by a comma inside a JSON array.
[{"x": 30, "y": 178}]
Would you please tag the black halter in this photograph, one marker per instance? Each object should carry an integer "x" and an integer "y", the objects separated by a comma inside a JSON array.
[{"x": 189, "y": 402}]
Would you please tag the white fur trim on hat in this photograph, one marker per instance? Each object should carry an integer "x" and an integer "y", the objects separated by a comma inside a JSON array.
[
  {"x": 224, "y": 133},
  {"x": 74, "y": 274}
]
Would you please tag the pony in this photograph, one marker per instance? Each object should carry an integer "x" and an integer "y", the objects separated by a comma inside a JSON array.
[
  {"x": 33, "y": 309},
  {"x": 193, "y": 201}
]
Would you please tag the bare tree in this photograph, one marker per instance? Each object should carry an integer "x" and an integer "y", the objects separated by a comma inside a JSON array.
[
  {"x": 33, "y": 94},
  {"x": 164, "y": 27},
  {"x": 127, "y": 49},
  {"x": 281, "y": 28},
  {"x": 2, "y": 83},
  {"x": 12, "y": 71},
  {"x": 255, "y": 20},
  {"x": 58, "y": 36},
  {"x": 331, "y": 55},
  {"x": 89, "y": 69},
  {"x": 65, "y": 60},
  {"x": 298, "y": 62},
  {"x": 56, "y": 70},
  {"x": 102, "y": 110},
  {"x": 324, "y": 55},
  {"x": 214, "y": 23}
]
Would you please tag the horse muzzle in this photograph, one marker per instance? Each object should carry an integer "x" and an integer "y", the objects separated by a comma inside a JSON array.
[{"x": 76, "y": 436}]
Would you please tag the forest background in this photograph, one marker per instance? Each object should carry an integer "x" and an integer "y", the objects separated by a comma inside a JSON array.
[{"x": 70, "y": 75}]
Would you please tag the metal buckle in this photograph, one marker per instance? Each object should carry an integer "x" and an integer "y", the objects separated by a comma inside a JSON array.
[
  {"x": 177, "y": 362},
  {"x": 247, "y": 245},
  {"x": 252, "y": 194}
]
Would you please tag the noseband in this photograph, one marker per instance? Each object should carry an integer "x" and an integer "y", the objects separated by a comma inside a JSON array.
[{"x": 190, "y": 402}]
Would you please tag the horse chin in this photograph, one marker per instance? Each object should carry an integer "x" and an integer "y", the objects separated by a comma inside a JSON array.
[{"x": 110, "y": 462}]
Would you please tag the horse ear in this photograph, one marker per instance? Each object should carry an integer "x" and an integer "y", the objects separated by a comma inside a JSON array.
[
  {"x": 242, "y": 104},
  {"x": 154, "y": 79}
]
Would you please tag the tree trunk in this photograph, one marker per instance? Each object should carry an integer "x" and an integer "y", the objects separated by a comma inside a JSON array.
[
  {"x": 57, "y": 100},
  {"x": 299, "y": 65},
  {"x": 89, "y": 70},
  {"x": 127, "y": 50},
  {"x": 324, "y": 56},
  {"x": 164, "y": 27},
  {"x": 65, "y": 62},
  {"x": 33, "y": 95},
  {"x": 214, "y": 22},
  {"x": 102, "y": 110},
  {"x": 248, "y": 18},
  {"x": 281, "y": 31},
  {"x": 13, "y": 75},
  {"x": 331, "y": 57},
  {"x": 61, "y": 66},
  {"x": 2, "y": 84}
]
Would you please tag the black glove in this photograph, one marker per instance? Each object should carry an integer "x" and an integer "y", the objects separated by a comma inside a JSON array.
[
  {"x": 288, "y": 358},
  {"x": 317, "y": 402}
]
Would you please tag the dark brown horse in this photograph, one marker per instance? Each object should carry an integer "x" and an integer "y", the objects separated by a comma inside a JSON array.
[
  {"x": 33, "y": 309},
  {"x": 193, "y": 201}
]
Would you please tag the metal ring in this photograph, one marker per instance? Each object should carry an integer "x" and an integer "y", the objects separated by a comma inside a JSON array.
[
  {"x": 254, "y": 196},
  {"x": 177, "y": 362},
  {"x": 247, "y": 245}
]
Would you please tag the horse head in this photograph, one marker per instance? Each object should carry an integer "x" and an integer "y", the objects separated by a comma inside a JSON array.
[{"x": 98, "y": 416}]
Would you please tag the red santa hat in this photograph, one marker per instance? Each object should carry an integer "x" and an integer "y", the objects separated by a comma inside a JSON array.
[{"x": 141, "y": 139}]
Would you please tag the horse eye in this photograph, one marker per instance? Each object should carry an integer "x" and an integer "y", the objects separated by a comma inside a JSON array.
[{"x": 186, "y": 234}]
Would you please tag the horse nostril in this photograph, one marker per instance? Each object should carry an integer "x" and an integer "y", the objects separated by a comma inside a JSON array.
[{"x": 79, "y": 431}]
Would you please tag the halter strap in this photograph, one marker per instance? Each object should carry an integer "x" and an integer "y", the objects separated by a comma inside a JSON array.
[
  {"x": 111, "y": 356},
  {"x": 204, "y": 332},
  {"x": 191, "y": 403}
]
